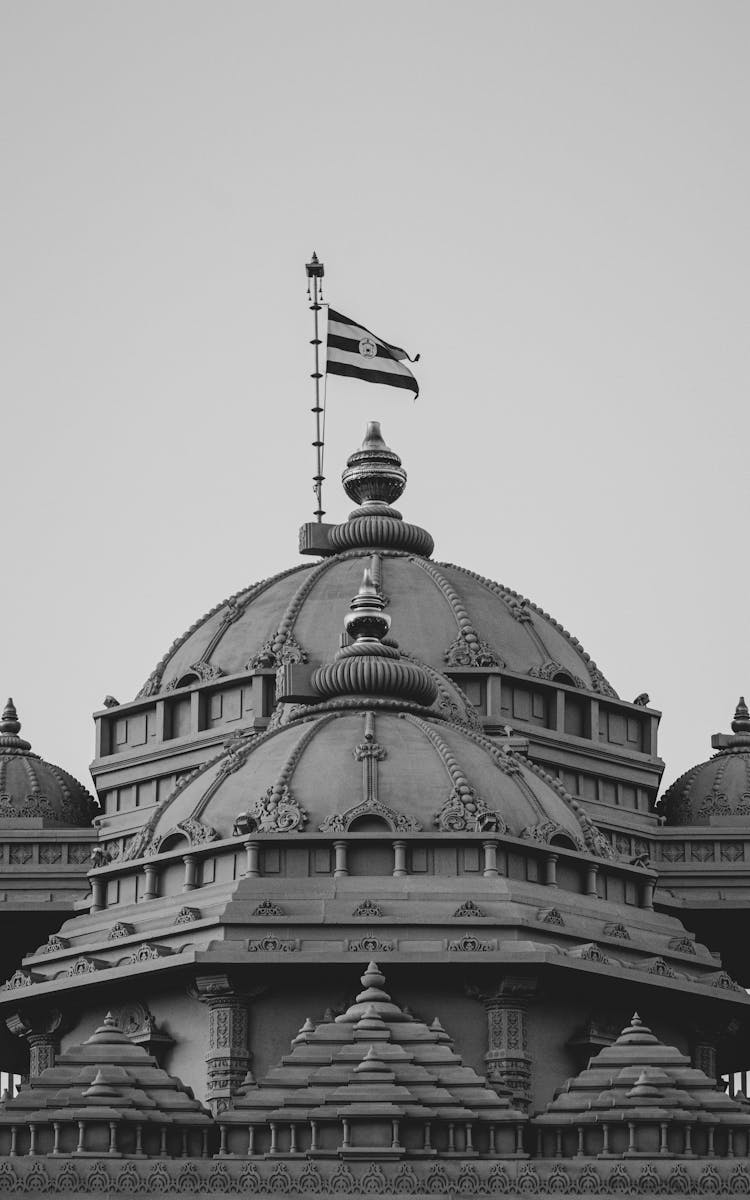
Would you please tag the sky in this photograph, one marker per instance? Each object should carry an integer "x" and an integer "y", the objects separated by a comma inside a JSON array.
[{"x": 547, "y": 199}]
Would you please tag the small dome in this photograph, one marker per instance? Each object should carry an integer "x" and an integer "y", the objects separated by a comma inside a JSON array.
[
  {"x": 718, "y": 790},
  {"x": 34, "y": 790},
  {"x": 447, "y": 617}
]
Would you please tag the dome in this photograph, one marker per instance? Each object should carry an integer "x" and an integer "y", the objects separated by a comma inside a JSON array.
[
  {"x": 34, "y": 790},
  {"x": 718, "y": 790},
  {"x": 448, "y": 617},
  {"x": 383, "y": 769}
]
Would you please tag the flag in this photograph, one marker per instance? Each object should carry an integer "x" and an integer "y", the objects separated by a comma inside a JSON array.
[{"x": 354, "y": 351}]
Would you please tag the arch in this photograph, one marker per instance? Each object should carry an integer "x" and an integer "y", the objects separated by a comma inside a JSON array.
[
  {"x": 369, "y": 823},
  {"x": 369, "y": 811},
  {"x": 564, "y": 840}
]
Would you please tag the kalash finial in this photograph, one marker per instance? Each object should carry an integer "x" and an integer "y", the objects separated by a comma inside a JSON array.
[
  {"x": 369, "y": 669},
  {"x": 374, "y": 478},
  {"x": 10, "y": 742},
  {"x": 741, "y": 722}
]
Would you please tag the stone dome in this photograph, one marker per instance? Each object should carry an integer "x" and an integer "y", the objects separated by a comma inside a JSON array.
[
  {"x": 383, "y": 768},
  {"x": 33, "y": 791},
  {"x": 716, "y": 791},
  {"x": 448, "y": 617}
]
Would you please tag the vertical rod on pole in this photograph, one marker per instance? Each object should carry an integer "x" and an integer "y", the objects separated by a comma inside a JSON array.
[{"x": 315, "y": 272}]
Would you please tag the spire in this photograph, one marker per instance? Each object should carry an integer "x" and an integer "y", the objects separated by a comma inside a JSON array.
[
  {"x": 368, "y": 668},
  {"x": 741, "y": 722},
  {"x": 374, "y": 478},
  {"x": 10, "y": 742}
]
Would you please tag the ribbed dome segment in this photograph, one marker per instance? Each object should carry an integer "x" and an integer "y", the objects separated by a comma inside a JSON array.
[
  {"x": 369, "y": 668},
  {"x": 31, "y": 788}
]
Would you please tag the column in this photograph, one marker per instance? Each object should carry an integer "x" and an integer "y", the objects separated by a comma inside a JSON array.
[
  {"x": 151, "y": 890},
  {"x": 228, "y": 1057},
  {"x": 42, "y": 1032},
  {"x": 399, "y": 859},
  {"x": 507, "y": 1058},
  {"x": 191, "y": 872}
]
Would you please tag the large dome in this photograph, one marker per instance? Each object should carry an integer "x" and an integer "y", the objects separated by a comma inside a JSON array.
[
  {"x": 33, "y": 791},
  {"x": 718, "y": 790},
  {"x": 383, "y": 769},
  {"x": 447, "y": 617}
]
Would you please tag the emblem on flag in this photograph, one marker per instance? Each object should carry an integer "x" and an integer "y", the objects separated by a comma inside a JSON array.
[{"x": 354, "y": 351}]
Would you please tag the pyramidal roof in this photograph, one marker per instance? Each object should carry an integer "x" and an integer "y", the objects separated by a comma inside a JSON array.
[
  {"x": 106, "y": 1078},
  {"x": 639, "y": 1078},
  {"x": 374, "y": 1061}
]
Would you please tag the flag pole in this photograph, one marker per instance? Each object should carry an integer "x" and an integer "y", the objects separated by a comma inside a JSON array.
[{"x": 315, "y": 272}]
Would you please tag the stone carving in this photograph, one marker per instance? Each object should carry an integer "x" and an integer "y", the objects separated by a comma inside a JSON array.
[
  {"x": 590, "y": 952},
  {"x": 550, "y": 916},
  {"x": 469, "y": 909},
  {"x": 616, "y": 930},
  {"x": 200, "y": 672},
  {"x": 724, "y": 981},
  {"x": 702, "y": 852},
  {"x": 463, "y": 810},
  {"x": 196, "y": 833},
  {"x": 20, "y": 854},
  {"x": 684, "y": 945},
  {"x": 135, "y": 1018},
  {"x": 731, "y": 851},
  {"x": 187, "y": 915},
  {"x": 545, "y": 831},
  {"x": 84, "y": 966},
  {"x": 54, "y": 944},
  {"x": 468, "y": 651},
  {"x": 555, "y": 671},
  {"x": 267, "y": 908},
  {"x": 673, "y": 851},
  {"x": 146, "y": 952},
  {"x": 17, "y": 981},
  {"x": 367, "y": 908},
  {"x": 469, "y": 944},
  {"x": 370, "y": 944},
  {"x": 270, "y": 944},
  {"x": 49, "y": 855},
  {"x": 120, "y": 929},
  {"x": 659, "y": 966},
  {"x": 276, "y": 812},
  {"x": 398, "y": 822}
]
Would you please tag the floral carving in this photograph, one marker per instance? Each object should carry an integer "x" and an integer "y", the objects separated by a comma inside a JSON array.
[
  {"x": 277, "y": 811},
  {"x": 545, "y": 831},
  {"x": 398, "y": 822},
  {"x": 146, "y": 952},
  {"x": 82, "y": 966},
  {"x": 202, "y": 672},
  {"x": 468, "y": 650},
  {"x": 616, "y": 930},
  {"x": 469, "y": 944},
  {"x": 555, "y": 671},
  {"x": 551, "y": 916},
  {"x": 683, "y": 945},
  {"x": 367, "y": 908},
  {"x": 590, "y": 952},
  {"x": 267, "y": 908},
  {"x": 120, "y": 930},
  {"x": 54, "y": 944},
  {"x": 278, "y": 653},
  {"x": 370, "y": 944},
  {"x": 187, "y": 915},
  {"x": 469, "y": 909},
  {"x": 272, "y": 945},
  {"x": 20, "y": 979},
  {"x": 463, "y": 810},
  {"x": 195, "y": 831}
]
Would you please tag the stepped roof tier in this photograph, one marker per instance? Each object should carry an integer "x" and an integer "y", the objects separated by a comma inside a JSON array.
[
  {"x": 716, "y": 792},
  {"x": 373, "y": 1080},
  {"x": 448, "y": 617},
  {"x": 105, "y": 1096},
  {"x": 33, "y": 792},
  {"x": 640, "y": 1096}
]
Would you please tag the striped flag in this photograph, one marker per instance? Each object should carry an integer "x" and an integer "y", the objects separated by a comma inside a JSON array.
[{"x": 354, "y": 351}]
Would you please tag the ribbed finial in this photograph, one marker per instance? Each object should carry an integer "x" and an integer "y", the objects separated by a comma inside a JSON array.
[
  {"x": 368, "y": 668},
  {"x": 10, "y": 742},
  {"x": 10, "y": 722},
  {"x": 741, "y": 722},
  {"x": 374, "y": 477}
]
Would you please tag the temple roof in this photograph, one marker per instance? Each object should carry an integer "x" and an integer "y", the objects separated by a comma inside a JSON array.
[
  {"x": 375, "y": 1060},
  {"x": 448, "y": 617},
  {"x": 109, "y": 1078},
  {"x": 718, "y": 790},
  {"x": 33, "y": 791},
  {"x": 639, "y": 1077}
]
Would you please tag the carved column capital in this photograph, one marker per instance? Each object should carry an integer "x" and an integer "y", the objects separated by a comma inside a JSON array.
[
  {"x": 508, "y": 1062},
  {"x": 41, "y": 1029}
]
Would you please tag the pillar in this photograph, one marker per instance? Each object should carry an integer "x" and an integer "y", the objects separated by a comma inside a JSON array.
[
  {"x": 228, "y": 1058},
  {"x": 507, "y": 1058},
  {"x": 42, "y": 1032}
]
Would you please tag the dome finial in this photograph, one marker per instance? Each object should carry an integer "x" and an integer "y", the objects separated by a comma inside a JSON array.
[
  {"x": 10, "y": 722},
  {"x": 369, "y": 668},
  {"x": 741, "y": 722},
  {"x": 374, "y": 476}
]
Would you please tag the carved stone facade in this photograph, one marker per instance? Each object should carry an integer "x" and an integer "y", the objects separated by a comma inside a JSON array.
[
  {"x": 508, "y": 1059},
  {"x": 228, "y": 1058}
]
